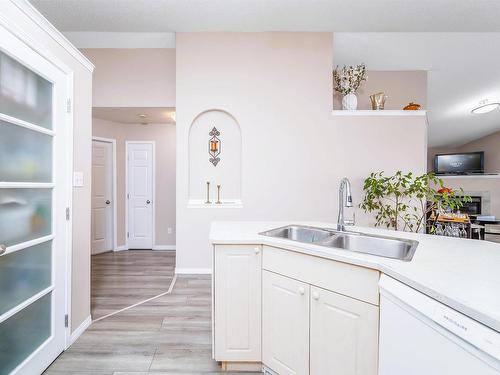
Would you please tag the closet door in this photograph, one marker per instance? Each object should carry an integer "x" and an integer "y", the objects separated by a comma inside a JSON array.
[{"x": 34, "y": 193}]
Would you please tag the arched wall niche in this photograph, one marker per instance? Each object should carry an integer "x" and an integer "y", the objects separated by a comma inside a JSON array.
[{"x": 227, "y": 172}]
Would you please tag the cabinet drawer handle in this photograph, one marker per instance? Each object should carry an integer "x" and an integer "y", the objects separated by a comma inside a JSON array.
[
  {"x": 256, "y": 250},
  {"x": 302, "y": 291},
  {"x": 316, "y": 295}
]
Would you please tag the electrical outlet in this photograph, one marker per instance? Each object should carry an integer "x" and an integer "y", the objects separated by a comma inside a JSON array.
[{"x": 169, "y": 230}]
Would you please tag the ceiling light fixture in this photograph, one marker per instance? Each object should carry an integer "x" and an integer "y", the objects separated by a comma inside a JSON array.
[
  {"x": 143, "y": 118},
  {"x": 485, "y": 107}
]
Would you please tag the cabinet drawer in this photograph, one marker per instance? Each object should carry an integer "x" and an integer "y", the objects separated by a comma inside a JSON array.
[{"x": 353, "y": 281}]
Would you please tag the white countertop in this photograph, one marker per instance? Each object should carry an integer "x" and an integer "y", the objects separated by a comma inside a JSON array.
[{"x": 463, "y": 274}]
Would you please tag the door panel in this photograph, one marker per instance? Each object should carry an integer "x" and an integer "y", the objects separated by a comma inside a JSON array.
[
  {"x": 25, "y": 155},
  {"x": 34, "y": 194},
  {"x": 140, "y": 170},
  {"x": 24, "y": 94},
  {"x": 25, "y": 332},
  {"x": 25, "y": 214},
  {"x": 344, "y": 335},
  {"x": 34, "y": 264},
  {"x": 285, "y": 324},
  {"x": 102, "y": 196},
  {"x": 238, "y": 303}
]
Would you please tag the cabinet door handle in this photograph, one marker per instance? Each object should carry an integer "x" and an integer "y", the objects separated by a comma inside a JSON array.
[
  {"x": 302, "y": 291},
  {"x": 316, "y": 295},
  {"x": 256, "y": 250}
]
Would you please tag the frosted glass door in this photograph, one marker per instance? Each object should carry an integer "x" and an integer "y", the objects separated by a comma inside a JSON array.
[{"x": 33, "y": 196}]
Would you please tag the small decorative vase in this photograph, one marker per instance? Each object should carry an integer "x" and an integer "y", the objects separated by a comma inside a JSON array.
[{"x": 350, "y": 102}]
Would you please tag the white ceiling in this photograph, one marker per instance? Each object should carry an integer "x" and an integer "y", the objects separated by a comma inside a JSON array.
[
  {"x": 271, "y": 15},
  {"x": 130, "y": 115},
  {"x": 463, "y": 69}
]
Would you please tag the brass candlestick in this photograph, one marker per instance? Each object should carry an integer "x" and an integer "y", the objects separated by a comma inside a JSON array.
[
  {"x": 218, "y": 195},
  {"x": 208, "y": 193}
]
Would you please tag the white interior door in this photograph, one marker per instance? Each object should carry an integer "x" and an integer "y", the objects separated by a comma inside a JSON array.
[
  {"x": 102, "y": 196},
  {"x": 140, "y": 181},
  {"x": 34, "y": 193}
]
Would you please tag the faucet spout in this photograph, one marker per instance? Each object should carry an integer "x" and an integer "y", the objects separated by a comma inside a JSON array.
[{"x": 345, "y": 200}]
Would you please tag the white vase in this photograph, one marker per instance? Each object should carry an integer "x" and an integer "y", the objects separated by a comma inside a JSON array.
[{"x": 350, "y": 102}]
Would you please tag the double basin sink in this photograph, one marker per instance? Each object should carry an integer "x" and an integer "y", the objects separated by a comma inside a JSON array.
[{"x": 387, "y": 247}]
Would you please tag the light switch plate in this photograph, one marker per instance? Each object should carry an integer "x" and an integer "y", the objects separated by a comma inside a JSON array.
[{"x": 77, "y": 179}]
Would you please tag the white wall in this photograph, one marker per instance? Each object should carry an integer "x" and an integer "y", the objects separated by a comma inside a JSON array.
[
  {"x": 278, "y": 86},
  {"x": 82, "y": 105},
  {"x": 133, "y": 77},
  {"x": 164, "y": 136}
]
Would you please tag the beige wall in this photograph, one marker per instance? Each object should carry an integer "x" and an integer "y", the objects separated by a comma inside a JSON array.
[
  {"x": 164, "y": 137},
  {"x": 133, "y": 77},
  {"x": 401, "y": 87},
  {"x": 278, "y": 87},
  {"x": 82, "y": 105}
]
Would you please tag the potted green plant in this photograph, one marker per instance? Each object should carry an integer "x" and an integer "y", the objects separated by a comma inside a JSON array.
[{"x": 405, "y": 201}]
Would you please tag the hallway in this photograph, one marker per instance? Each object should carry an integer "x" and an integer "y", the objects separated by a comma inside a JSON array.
[
  {"x": 166, "y": 336},
  {"x": 121, "y": 279}
]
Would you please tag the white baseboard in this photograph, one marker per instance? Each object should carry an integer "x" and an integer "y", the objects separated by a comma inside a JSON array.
[
  {"x": 193, "y": 271},
  {"x": 121, "y": 248},
  {"x": 79, "y": 330},
  {"x": 164, "y": 247}
]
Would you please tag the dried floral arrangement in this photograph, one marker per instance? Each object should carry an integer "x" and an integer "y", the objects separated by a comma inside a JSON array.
[{"x": 348, "y": 78}]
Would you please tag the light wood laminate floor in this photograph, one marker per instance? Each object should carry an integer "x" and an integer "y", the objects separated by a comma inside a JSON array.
[
  {"x": 170, "y": 335},
  {"x": 121, "y": 279}
]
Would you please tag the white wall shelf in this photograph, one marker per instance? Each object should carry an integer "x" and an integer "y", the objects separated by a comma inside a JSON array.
[
  {"x": 385, "y": 112},
  {"x": 469, "y": 176}
]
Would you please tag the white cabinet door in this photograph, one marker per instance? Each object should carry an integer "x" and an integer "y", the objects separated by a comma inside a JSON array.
[
  {"x": 238, "y": 295},
  {"x": 344, "y": 335},
  {"x": 285, "y": 324},
  {"x": 140, "y": 191},
  {"x": 102, "y": 192}
]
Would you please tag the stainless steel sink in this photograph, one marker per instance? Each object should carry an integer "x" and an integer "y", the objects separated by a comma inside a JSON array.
[
  {"x": 388, "y": 247},
  {"x": 300, "y": 233}
]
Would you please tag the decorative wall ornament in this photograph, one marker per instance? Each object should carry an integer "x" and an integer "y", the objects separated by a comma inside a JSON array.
[{"x": 214, "y": 146}]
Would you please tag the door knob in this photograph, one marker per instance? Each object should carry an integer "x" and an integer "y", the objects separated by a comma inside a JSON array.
[
  {"x": 148, "y": 201},
  {"x": 108, "y": 202},
  {"x": 3, "y": 249}
]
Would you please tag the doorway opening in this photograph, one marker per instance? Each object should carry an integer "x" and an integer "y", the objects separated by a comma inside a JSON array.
[{"x": 133, "y": 158}]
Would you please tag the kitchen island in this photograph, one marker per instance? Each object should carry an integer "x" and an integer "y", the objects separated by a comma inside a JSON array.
[{"x": 251, "y": 271}]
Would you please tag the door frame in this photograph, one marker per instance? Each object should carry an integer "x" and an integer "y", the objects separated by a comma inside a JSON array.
[
  {"x": 68, "y": 74},
  {"x": 112, "y": 141},
  {"x": 153, "y": 143}
]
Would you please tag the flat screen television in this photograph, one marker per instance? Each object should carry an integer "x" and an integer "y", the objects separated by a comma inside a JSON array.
[{"x": 463, "y": 163}]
